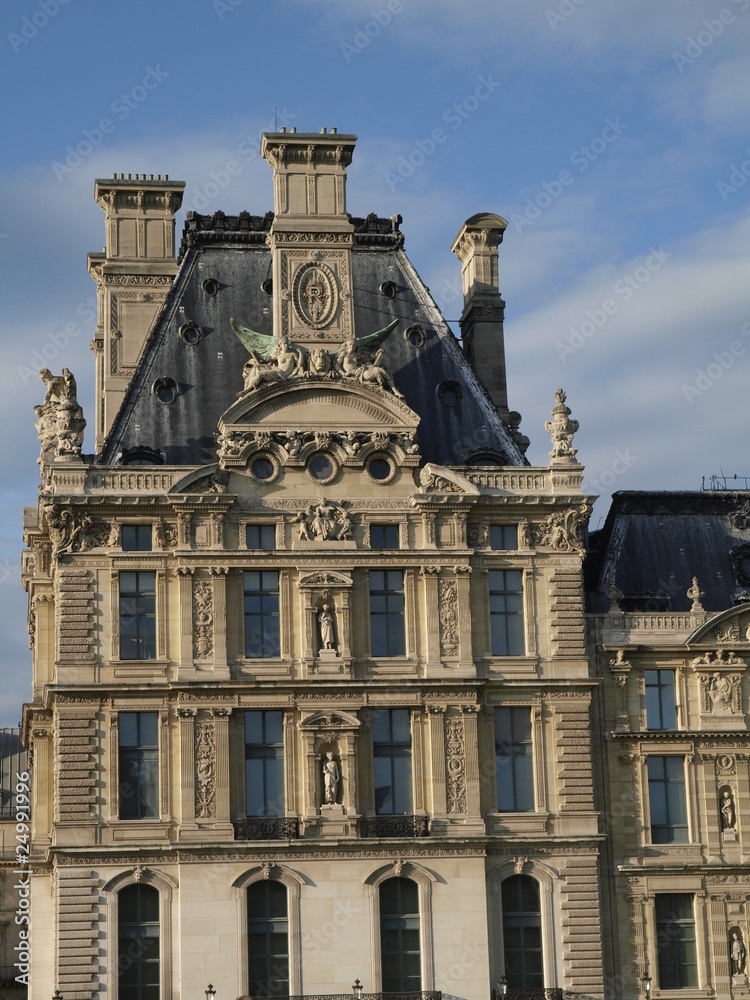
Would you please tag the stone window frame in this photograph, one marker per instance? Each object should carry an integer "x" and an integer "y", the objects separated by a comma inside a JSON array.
[
  {"x": 424, "y": 880},
  {"x": 140, "y": 564},
  {"x": 165, "y": 885},
  {"x": 293, "y": 882},
  {"x": 537, "y": 756},
  {"x": 163, "y": 768},
  {"x": 546, "y": 879},
  {"x": 682, "y": 749},
  {"x": 680, "y": 696},
  {"x": 643, "y": 913}
]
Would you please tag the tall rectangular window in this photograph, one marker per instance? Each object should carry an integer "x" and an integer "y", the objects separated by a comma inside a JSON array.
[
  {"x": 138, "y": 765},
  {"x": 661, "y": 709},
  {"x": 262, "y": 613},
  {"x": 261, "y": 536},
  {"x": 138, "y": 615},
  {"x": 264, "y": 763},
  {"x": 506, "y": 612},
  {"x": 504, "y": 536},
  {"x": 384, "y": 536},
  {"x": 514, "y": 765},
  {"x": 667, "y": 803},
  {"x": 387, "y": 629},
  {"x": 675, "y": 941},
  {"x": 391, "y": 744},
  {"x": 136, "y": 538}
]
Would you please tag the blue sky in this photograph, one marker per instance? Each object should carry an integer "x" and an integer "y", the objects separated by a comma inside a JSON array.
[{"x": 614, "y": 137}]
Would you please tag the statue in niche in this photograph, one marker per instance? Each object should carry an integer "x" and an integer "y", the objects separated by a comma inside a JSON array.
[
  {"x": 728, "y": 818},
  {"x": 325, "y": 624},
  {"x": 331, "y": 778},
  {"x": 738, "y": 954}
]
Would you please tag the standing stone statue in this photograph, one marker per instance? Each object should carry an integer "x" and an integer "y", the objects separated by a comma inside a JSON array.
[
  {"x": 738, "y": 954},
  {"x": 325, "y": 623},
  {"x": 727, "y": 811},
  {"x": 331, "y": 778}
]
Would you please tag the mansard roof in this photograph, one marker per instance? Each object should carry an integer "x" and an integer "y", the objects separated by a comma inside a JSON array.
[
  {"x": 224, "y": 266},
  {"x": 653, "y": 543}
]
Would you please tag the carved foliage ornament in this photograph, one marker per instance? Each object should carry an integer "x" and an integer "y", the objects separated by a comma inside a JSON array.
[
  {"x": 205, "y": 769},
  {"x": 203, "y": 619},
  {"x": 72, "y": 533},
  {"x": 448, "y": 598},
  {"x": 455, "y": 768}
]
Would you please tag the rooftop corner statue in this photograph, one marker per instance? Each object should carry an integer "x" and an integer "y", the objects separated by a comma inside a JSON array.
[{"x": 59, "y": 419}]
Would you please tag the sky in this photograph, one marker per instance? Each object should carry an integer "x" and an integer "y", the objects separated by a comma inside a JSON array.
[{"x": 614, "y": 138}]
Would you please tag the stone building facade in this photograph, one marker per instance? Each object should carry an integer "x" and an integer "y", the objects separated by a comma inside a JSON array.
[{"x": 313, "y": 695}]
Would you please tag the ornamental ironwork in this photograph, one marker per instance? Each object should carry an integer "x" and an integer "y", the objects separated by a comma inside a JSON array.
[
  {"x": 267, "y": 828},
  {"x": 395, "y": 826}
]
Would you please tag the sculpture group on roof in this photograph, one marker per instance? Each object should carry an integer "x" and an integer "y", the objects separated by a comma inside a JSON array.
[
  {"x": 59, "y": 419},
  {"x": 274, "y": 359}
]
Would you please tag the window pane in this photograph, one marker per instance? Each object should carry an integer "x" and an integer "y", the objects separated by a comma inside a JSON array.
[
  {"x": 661, "y": 709},
  {"x": 399, "y": 936},
  {"x": 503, "y": 536},
  {"x": 392, "y": 761},
  {"x": 675, "y": 941},
  {"x": 513, "y": 759},
  {"x": 522, "y": 936},
  {"x": 261, "y": 597},
  {"x": 264, "y": 763},
  {"x": 138, "y": 943}
]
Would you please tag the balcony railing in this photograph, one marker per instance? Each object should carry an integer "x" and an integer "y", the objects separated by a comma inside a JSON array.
[
  {"x": 546, "y": 993},
  {"x": 395, "y": 826},
  {"x": 415, "y": 995},
  {"x": 8, "y": 975},
  {"x": 267, "y": 828}
]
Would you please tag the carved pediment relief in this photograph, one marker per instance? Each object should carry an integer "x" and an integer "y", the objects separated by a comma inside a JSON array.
[
  {"x": 331, "y": 721},
  {"x": 731, "y": 627},
  {"x": 439, "y": 479},
  {"x": 325, "y": 578}
]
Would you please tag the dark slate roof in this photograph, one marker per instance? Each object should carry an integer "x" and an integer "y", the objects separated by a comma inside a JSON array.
[
  {"x": 232, "y": 250},
  {"x": 654, "y": 543}
]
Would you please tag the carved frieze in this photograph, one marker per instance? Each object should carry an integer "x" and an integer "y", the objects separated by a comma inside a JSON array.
[{"x": 325, "y": 521}]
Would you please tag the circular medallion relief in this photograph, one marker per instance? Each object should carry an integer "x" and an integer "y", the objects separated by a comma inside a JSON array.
[{"x": 315, "y": 294}]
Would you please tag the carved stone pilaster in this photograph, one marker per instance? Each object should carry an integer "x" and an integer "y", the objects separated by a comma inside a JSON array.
[
  {"x": 203, "y": 620},
  {"x": 437, "y": 754},
  {"x": 185, "y": 592},
  {"x": 448, "y": 598}
]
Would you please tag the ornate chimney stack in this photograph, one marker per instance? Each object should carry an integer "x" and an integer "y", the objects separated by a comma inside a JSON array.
[
  {"x": 133, "y": 275},
  {"x": 482, "y": 318},
  {"x": 311, "y": 236}
]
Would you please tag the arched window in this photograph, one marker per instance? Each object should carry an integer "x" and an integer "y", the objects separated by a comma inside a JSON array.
[
  {"x": 138, "y": 961},
  {"x": 400, "y": 957},
  {"x": 522, "y": 933},
  {"x": 267, "y": 939}
]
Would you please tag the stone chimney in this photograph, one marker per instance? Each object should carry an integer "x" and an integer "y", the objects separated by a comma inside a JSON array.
[
  {"x": 133, "y": 276},
  {"x": 311, "y": 236},
  {"x": 482, "y": 318}
]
